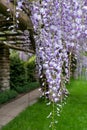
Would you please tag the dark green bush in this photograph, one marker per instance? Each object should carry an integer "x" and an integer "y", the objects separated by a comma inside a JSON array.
[
  {"x": 7, "y": 95},
  {"x": 17, "y": 71},
  {"x": 21, "y": 89},
  {"x": 3, "y": 98},
  {"x": 30, "y": 66},
  {"x": 11, "y": 94},
  {"x": 27, "y": 87},
  {"x": 34, "y": 85},
  {"x": 22, "y": 73}
]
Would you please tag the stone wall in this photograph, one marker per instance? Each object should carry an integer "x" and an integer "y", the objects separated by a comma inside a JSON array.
[{"x": 4, "y": 68}]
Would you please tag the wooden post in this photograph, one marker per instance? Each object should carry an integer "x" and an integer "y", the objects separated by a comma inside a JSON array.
[{"x": 4, "y": 68}]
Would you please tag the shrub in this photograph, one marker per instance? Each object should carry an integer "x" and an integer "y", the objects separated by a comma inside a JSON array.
[
  {"x": 17, "y": 71},
  {"x": 30, "y": 66},
  {"x": 7, "y": 95},
  {"x": 27, "y": 87},
  {"x": 3, "y": 98},
  {"x": 11, "y": 94},
  {"x": 21, "y": 89},
  {"x": 34, "y": 85},
  {"x": 22, "y": 73}
]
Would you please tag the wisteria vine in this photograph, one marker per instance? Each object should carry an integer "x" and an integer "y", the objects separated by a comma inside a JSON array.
[{"x": 60, "y": 30}]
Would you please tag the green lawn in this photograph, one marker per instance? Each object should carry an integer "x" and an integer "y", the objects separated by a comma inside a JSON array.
[{"x": 73, "y": 115}]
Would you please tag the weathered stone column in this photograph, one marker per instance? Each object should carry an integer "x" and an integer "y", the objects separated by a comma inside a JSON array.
[{"x": 4, "y": 67}]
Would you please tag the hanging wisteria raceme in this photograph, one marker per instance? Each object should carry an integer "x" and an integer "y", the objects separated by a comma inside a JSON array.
[
  {"x": 50, "y": 50},
  {"x": 49, "y": 44},
  {"x": 75, "y": 26},
  {"x": 79, "y": 25},
  {"x": 60, "y": 28}
]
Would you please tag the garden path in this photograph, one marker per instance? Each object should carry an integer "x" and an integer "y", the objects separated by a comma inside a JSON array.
[{"x": 12, "y": 109}]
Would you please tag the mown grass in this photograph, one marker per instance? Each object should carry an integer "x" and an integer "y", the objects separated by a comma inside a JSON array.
[{"x": 73, "y": 115}]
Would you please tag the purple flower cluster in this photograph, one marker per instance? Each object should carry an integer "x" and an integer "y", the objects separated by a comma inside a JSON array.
[
  {"x": 50, "y": 49},
  {"x": 60, "y": 27}
]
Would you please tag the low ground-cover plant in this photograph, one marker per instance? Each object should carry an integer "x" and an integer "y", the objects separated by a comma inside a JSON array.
[{"x": 7, "y": 95}]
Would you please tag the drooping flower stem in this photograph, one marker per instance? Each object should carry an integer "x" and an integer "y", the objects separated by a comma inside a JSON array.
[{"x": 53, "y": 117}]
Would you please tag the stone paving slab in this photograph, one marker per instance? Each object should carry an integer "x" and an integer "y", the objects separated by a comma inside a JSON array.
[{"x": 12, "y": 109}]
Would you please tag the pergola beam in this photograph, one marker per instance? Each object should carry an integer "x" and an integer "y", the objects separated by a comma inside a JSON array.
[
  {"x": 24, "y": 20},
  {"x": 18, "y": 48}
]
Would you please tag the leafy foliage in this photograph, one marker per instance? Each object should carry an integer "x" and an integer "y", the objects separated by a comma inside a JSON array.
[
  {"x": 22, "y": 73},
  {"x": 7, "y": 95},
  {"x": 17, "y": 71},
  {"x": 27, "y": 87},
  {"x": 30, "y": 68}
]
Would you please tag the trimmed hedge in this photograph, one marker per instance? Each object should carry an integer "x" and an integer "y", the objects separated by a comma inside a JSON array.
[
  {"x": 27, "y": 87},
  {"x": 7, "y": 95}
]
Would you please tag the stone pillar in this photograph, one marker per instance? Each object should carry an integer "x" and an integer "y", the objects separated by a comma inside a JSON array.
[{"x": 4, "y": 68}]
